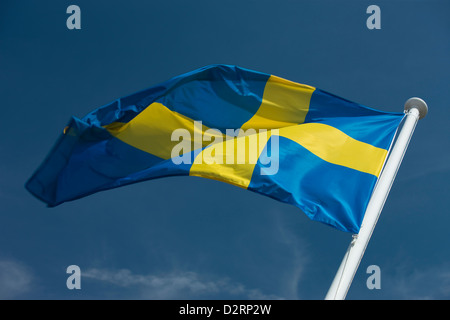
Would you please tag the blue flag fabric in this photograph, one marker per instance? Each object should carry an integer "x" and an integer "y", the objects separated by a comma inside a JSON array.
[{"x": 289, "y": 141}]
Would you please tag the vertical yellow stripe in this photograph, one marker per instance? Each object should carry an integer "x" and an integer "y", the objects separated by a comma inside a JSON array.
[
  {"x": 284, "y": 103},
  {"x": 232, "y": 161}
]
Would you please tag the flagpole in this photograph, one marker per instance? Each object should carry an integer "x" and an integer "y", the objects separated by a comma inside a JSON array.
[{"x": 415, "y": 109}]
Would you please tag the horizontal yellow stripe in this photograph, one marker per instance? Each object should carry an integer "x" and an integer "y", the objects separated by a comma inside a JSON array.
[
  {"x": 334, "y": 146},
  {"x": 284, "y": 103},
  {"x": 151, "y": 131},
  {"x": 232, "y": 161}
]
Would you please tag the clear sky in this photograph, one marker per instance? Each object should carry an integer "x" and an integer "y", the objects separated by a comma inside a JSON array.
[{"x": 193, "y": 238}]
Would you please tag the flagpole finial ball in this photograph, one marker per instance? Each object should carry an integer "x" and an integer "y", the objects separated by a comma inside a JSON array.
[{"x": 419, "y": 104}]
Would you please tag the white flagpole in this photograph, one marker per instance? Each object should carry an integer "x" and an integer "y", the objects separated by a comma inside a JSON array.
[{"x": 415, "y": 109}]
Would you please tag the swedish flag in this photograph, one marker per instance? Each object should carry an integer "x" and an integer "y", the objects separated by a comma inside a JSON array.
[{"x": 289, "y": 141}]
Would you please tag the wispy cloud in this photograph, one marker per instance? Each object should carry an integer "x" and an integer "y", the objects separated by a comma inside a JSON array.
[
  {"x": 193, "y": 284},
  {"x": 420, "y": 284},
  {"x": 299, "y": 256},
  {"x": 15, "y": 279},
  {"x": 438, "y": 165},
  {"x": 177, "y": 285}
]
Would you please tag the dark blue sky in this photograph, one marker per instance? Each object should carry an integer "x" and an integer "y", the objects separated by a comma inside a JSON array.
[{"x": 193, "y": 238}]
